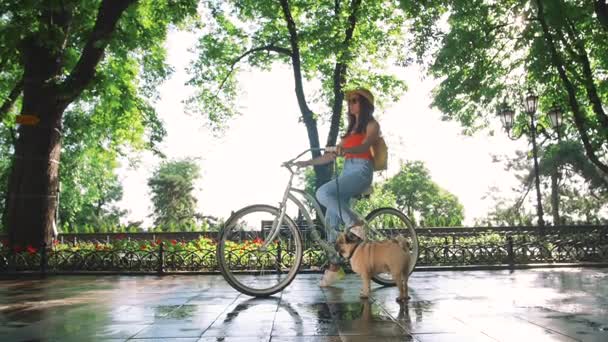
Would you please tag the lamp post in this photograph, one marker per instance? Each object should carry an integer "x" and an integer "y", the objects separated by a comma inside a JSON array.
[
  {"x": 555, "y": 116},
  {"x": 507, "y": 116}
]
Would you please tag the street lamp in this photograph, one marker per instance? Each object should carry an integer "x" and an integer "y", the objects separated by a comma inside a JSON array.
[
  {"x": 507, "y": 116},
  {"x": 555, "y": 116}
]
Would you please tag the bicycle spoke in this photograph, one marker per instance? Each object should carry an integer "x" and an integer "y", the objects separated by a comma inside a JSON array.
[{"x": 244, "y": 260}]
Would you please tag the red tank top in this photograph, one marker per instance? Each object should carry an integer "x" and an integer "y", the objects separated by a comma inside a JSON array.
[{"x": 352, "y": 140}]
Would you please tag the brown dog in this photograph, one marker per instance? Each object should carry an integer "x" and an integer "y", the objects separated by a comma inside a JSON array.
[{"x": 370, "y": 258}]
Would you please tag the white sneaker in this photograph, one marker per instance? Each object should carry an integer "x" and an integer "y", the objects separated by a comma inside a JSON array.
[
  {"x": 358, "y": 231},
  {"x": 331, "y": 277}
]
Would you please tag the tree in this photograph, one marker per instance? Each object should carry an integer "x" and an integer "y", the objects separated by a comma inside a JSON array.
[
  {"x": 575, "y": 190},
  {"x": 491, "y": 51},
  {"x": 423, "y": 200},
  {"x": 92, "y": 143},
  {"x": 172, "y": 184},
  {"x": 337, "y": 43},
  {"x": 57, "y": 51}
]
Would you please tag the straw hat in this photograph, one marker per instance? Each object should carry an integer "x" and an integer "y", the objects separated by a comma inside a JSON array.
[{"x": 361, "y": 92}]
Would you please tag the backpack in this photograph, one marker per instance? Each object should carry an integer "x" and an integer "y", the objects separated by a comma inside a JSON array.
[{"x": 379, "y": 152}]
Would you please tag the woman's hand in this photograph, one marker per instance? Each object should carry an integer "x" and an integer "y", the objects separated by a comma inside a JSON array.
[
  {"x": 302, "y": 163},
  {"x": 339, "y": 150}
]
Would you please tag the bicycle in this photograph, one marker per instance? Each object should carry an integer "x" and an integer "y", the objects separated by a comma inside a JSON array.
[{"x": 262, "y": 260}]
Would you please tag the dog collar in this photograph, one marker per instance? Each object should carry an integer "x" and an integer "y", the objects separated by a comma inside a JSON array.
[{"x": 353, "y": 252}]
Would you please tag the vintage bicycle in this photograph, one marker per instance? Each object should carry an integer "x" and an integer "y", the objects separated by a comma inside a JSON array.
[{"x": 260, "y": 248}]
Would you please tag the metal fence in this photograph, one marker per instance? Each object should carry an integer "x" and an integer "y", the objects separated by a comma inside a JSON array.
[{"x": 449, "y": 248}]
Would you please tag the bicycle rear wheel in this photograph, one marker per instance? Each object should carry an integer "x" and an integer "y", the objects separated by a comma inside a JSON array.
[
  {"x": 249, "y": 267},
  {"x": 388, "y": 223}
]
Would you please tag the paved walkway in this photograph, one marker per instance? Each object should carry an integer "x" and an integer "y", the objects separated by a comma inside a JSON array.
[{"x": 524, "y": 305}]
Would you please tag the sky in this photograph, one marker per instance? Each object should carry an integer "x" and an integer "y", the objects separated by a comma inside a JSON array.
[{"x": 242, "y": 165}]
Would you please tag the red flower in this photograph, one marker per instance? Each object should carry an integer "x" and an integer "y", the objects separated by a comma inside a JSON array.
[
  {"x": 31, "y": 249},
  {"x": 258, "y": 241},
  {"x": 17, "y": 249},
  {"x": 158, "y": 241},
  {"x": 143, "y": 247},
  {"x": 174, "y": 242}
]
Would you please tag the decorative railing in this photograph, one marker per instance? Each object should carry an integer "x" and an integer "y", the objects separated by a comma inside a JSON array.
[{"x": 496, "y": 247}]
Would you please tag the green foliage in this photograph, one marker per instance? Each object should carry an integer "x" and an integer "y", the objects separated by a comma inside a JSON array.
[
  {"x": 172, "y": 184},
  {"x": 254, "y": 33},
  {"x": 380, "y": 198},
  {"x": 114, "y": 113},
  {"x": 423, "y": 200},
  {"x": 490, "y": 52},
  {"x": 570, "y": 155}
]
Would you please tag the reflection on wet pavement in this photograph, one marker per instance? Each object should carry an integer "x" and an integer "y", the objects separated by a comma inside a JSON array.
[{"x": 524, "y": 305}]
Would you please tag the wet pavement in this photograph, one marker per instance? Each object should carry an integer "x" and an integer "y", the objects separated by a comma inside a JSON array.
[{"x": 524, "y": 305}]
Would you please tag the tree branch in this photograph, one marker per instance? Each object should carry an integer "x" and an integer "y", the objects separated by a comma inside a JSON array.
[
  {"x": 601, "y": 9},
  {"x": 269, "y": 47},
  {"x": 574, "y": 55},
  {"x": 10, "y": 100},
  {"x": 579, "y": 118},
  {"x": 109, "y": 13},
  {"x": 307, "y": 114},
  {"x": 340, "y": 73},
  {"x": 588, "y": 78}
]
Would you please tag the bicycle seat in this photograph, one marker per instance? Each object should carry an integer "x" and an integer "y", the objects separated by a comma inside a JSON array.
[{"x": 366, "y": 193}]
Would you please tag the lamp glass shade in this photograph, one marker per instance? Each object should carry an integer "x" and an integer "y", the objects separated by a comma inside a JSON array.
[
  {"x": 555, "y": 115},
  {"x": 507, "y": 116},
  {"x": 531, "y": 102}
]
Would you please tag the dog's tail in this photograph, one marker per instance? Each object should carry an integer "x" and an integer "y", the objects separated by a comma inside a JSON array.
[{"x": 403, "y": 242}]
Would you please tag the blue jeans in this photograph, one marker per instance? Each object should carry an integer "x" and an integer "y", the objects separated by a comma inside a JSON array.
[{"x": 356, "y": 177}]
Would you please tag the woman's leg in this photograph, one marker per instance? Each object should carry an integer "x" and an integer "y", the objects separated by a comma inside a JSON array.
[
  {"x": 335, "y": 197},
  {"x": 332, "y": 221},
  {"x": 326, "y": 195},
  {"x": 356, "y": 178}
]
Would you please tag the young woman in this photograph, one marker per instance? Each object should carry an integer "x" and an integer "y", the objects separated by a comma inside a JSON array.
[{"x": 362, "y": 132}]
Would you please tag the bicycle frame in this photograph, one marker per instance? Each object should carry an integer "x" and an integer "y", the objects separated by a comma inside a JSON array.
[{"x": 289, "y": 194}]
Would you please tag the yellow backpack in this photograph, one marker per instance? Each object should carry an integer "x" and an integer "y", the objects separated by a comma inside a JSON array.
[{"x": 379, "y": 152}]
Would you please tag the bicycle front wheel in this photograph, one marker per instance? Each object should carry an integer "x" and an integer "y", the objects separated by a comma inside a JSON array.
[
  {"x": 249, "y": 264},
  {"x": 388, "y": 223}
]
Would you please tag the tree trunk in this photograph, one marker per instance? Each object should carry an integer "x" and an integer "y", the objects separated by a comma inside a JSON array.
[
  {"x": 34, "y": 179},
  {"x": 32, "y": 191},
  {"x": 322, "y": 172},
  {"x": 601, "y": 10}
]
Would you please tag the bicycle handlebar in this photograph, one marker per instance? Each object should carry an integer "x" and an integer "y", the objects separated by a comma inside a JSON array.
[{"x": 290, "y": 162}]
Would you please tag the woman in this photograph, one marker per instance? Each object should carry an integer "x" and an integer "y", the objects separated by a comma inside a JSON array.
[{"x": 362, "y": 132}]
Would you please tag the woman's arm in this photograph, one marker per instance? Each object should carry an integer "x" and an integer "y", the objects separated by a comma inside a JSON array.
[
  {"x": 328, "y": 157},
  {"x": 372, "y": 133}
]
